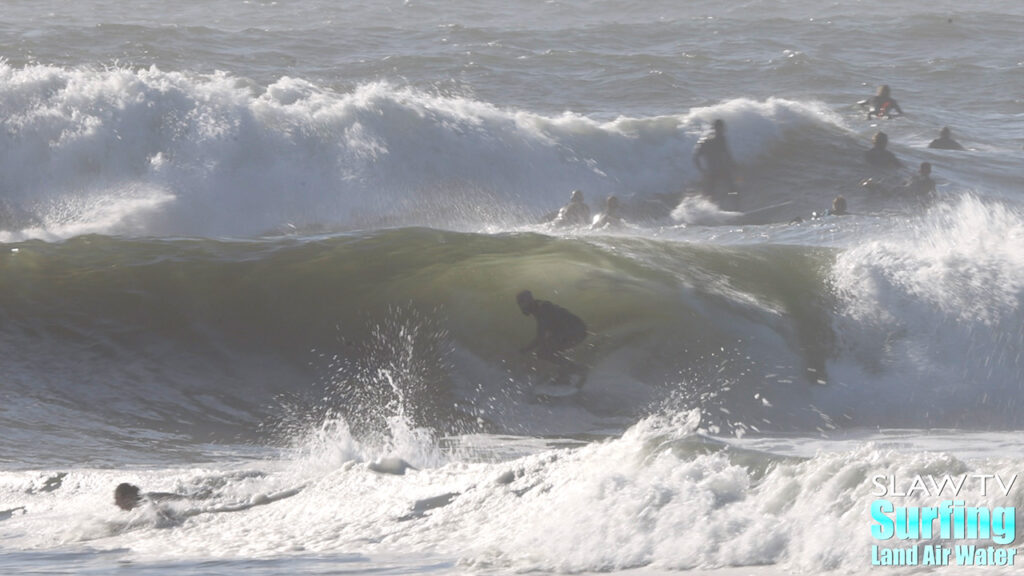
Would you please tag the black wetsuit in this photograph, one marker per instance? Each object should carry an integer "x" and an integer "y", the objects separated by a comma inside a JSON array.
[
  {"x": 882, "y": 158},
  {"x": 557, "y": 329},
  {"x": 945, "y": 143},
  {"x": 921, "y": 188},
  {"x": 883, "y": 106},
  {"x": 717, "y": 165}
]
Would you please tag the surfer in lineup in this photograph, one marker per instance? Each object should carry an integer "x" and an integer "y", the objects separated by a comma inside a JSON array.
[
  {"x": 838, "y": 209},
  {"x": 880, "y": 157},
  {"x": 881, "y": 105},
  {"x": 575, "y": 213},
  {"x": 921, "y": 186},
  {"x": 715, "y": 163},
  {"x": 945, "y": 141},
  {"x": 838, "y": 206},
  {"x": 557, "y": 331},
  {"x": 610, "y": 217}
]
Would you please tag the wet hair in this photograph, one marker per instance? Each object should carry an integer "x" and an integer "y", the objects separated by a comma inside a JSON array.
[
  {"x": 718, "y": 124},
  {"x": 576, "y": 194},
  {"x": 880, "y": 139},
  {"x": 839, "y": 205},
  {"x": 945, "y": 131},
  {"x": 926, "y": 168},
  {"x": 883, "y": 90},
  {"x": 126, "y": 496}
]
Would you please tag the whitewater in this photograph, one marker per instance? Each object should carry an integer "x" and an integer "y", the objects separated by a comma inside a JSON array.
[{"x": 263, "y": 257}]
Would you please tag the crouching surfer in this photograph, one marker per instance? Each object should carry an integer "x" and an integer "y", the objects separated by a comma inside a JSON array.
[{"x": 558, "y": 330}]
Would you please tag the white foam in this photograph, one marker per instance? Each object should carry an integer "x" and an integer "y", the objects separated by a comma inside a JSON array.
[
  {"x": 931, "y": 318},
  {"x": 701, "y": 210},
  {"x": 231, "y": 158},
  {"x": 655, "y": 498}
]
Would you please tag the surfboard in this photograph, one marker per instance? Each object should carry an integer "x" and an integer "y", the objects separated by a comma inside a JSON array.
[
  {"x": 765, "y": 214},
  {"x": 390, "y": 465},
  {"x": 555, "y": 390}
]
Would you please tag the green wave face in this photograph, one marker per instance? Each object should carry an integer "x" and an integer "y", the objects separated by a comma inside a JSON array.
[{"x": 258, "y": 319}]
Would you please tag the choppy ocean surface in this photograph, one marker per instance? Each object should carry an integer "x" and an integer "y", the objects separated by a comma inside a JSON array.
[{"x": 253, "y": 253}]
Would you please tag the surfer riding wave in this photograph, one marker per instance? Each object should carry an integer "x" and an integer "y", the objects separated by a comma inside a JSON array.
[{"x": 557, "y": 331}]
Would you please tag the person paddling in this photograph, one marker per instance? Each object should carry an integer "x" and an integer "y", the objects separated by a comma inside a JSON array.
[{"x": 882, "y": 104}]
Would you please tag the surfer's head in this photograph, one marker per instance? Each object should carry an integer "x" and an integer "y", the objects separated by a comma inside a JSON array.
[
  {"x": 839, "y": 205},
  {"x": 926, "y": 168},
  {"x": 880, "y": 140},
  {"x": 126, "y": 496},
  {"x": 718, "y": 125},
  {"x": 577, "y": 196},
  {"x": 525, "y": 301},
  {"x": 883, "y": 90},
  {"x": 945, "y": 132}
]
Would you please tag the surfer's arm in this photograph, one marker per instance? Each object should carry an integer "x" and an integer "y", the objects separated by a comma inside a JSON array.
[
  {"x": 533, "y": 343},
  {"x": 545, "y": 329}
]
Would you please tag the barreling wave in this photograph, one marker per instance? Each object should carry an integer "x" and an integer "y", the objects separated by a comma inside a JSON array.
[
  {"x": 166, "y": 333},
  {"x": 174, "y": 332}
]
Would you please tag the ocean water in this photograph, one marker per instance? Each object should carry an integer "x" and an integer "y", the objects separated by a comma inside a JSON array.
[{"x": 261, "y": 254}]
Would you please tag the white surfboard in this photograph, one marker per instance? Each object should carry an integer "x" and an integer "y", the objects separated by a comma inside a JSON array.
[{"x": 765, "y": 214}]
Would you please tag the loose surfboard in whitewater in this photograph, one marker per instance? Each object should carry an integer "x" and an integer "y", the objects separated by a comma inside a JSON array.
[{"x": 697, "y": 209}]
